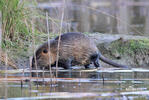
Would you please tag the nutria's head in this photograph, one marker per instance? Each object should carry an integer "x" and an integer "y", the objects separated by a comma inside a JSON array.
[{"x": 43, "y": 57}]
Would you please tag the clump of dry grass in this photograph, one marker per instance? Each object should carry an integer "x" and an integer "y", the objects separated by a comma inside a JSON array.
[{"x": 4, "y": 58}]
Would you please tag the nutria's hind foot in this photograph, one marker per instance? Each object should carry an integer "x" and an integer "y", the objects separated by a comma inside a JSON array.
[
  {"x": 97, "y": 63},
  {"x": 95, "y": 59},
  {"x": 87, "y": 66}
]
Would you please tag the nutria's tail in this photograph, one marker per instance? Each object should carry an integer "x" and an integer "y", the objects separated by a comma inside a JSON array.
[{"x": 110, "y": 62}]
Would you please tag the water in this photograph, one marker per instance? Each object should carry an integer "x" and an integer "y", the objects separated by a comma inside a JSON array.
[
  {"x": 108, "y": 84},
  {"x": 105, "y": 16}
]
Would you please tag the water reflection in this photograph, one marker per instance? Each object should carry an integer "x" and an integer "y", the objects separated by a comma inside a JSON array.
[
  {"x": 95, "y": 85},
  {"x": 105, "y": 16}
]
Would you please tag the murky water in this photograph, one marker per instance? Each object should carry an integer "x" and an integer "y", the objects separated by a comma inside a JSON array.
[{"x": 107, "y": 84}]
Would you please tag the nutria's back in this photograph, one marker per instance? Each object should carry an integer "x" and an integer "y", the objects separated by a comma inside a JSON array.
[{"x": 76, "y": 46}]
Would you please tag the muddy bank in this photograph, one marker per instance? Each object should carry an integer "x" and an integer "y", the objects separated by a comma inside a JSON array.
[{"x": 124, "y": 49}]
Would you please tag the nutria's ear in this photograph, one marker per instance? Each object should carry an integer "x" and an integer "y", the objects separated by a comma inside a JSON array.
[{"x": 45, "y": 51}]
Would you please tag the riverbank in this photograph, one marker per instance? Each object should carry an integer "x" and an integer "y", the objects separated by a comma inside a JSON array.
[{"x": 124, "y": 49}]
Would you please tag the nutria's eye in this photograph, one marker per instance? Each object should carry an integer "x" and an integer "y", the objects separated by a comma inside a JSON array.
[{"x": 45, "y": 51}]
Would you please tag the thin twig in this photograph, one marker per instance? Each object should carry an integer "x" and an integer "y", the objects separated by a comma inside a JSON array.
[
  {"x": 0, "y": 35},
  {"x": 33, "y": 31},
  {"x": 49, "y": 54},
  {"x": 6, "y": 74},
  {"x": 30, "y": 64},
  {"x": 59, "y": 39}
]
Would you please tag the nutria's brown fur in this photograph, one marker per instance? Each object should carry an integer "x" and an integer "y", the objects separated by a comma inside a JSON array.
[{"x": 75, "y": 49}]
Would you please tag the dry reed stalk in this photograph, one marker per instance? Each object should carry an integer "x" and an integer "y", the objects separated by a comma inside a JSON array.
[
  {"x": 59, "y": 39},
  {"x": 30, "y": 64},
  {"x": 33, "y": 45},
  {"x": 0, "y": 33},
  {"x": 6, "y": 74},
  {"x": 47, "y": 23},
  {"x": 33, "y": 37}
]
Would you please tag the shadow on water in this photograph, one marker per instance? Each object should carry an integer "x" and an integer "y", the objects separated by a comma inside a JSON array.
[{"x": 93, "y": 84}]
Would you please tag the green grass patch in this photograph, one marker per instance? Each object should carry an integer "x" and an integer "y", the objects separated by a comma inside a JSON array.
[{"x": 130, "y": 46}]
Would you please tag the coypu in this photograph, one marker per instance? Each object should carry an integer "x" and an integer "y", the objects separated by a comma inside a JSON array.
[{"x": 75, "y": 49}]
